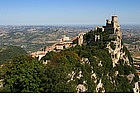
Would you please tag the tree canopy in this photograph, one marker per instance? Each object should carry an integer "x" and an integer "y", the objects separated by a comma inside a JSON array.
[{"x": 9, "y": 52}]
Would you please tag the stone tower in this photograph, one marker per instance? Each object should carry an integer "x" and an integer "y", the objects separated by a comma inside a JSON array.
[
  {"x": 115, "y": 18},
  {"x": 115, "y": 23}
]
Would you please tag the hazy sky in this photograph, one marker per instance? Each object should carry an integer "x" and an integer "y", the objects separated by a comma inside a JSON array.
[{"x": 43, "y": 12}]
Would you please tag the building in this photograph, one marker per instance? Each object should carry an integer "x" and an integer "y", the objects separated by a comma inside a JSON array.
[
  {"x": 112, "y": 26},
  {"x": 59, "y": 46},
  {"x": 38, "y": 54},
  {"x": 65, "y": 38},
  {"x": 64, "y": 43}
]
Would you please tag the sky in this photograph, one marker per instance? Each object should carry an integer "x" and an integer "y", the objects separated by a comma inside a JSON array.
[{"x": 56, "y": 12}]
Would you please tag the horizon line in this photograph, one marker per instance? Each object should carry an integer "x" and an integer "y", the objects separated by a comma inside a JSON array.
[{"x": 73, "y": 24}]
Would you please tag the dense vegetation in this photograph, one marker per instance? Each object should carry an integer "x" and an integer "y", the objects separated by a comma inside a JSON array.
[
  {"x": 9, "y": 52},
  {"x": 25, "y": 74},
  {"x": 69, "y": 68}
]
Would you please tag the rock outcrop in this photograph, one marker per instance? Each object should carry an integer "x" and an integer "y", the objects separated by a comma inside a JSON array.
[
  {"x": 100, "y": 63},
  {"x": 110, "y": 37}
]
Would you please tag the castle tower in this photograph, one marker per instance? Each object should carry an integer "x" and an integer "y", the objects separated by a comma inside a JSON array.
[
  {"x": 115, "y": 18},
  {"x": 115, "y": 23}
]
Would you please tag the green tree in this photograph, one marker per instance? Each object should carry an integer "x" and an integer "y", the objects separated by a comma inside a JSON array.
[
  {"x": 23, "y": 74},
  {"x": 9, "y": 52}
]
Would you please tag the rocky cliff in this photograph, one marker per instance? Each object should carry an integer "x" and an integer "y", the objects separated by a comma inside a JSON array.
[
  {"x": 101, "y": 64},
  {"x": 96, "y": 66},
  {"x": 109, "y": 38}
]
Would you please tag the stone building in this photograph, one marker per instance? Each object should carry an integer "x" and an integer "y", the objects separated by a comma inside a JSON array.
[{"x": 112, "y": 26}]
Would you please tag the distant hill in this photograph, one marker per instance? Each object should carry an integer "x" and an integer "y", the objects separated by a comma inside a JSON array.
[{"x": 9, "y": 52}]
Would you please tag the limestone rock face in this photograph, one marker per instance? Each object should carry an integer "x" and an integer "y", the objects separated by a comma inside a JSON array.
[
  {"x": 81, "y": 88},
  {"x": 99, "y": 63},
  {"x": 120, "y": 57},
  {"x": 117, "y": 54}
]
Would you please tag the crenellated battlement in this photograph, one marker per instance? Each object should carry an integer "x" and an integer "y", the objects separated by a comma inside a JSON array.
[{"x": 112, "y": 25}]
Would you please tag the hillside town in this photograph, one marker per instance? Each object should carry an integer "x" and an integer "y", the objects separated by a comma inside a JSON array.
[{"x": 64, "y": 43}]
